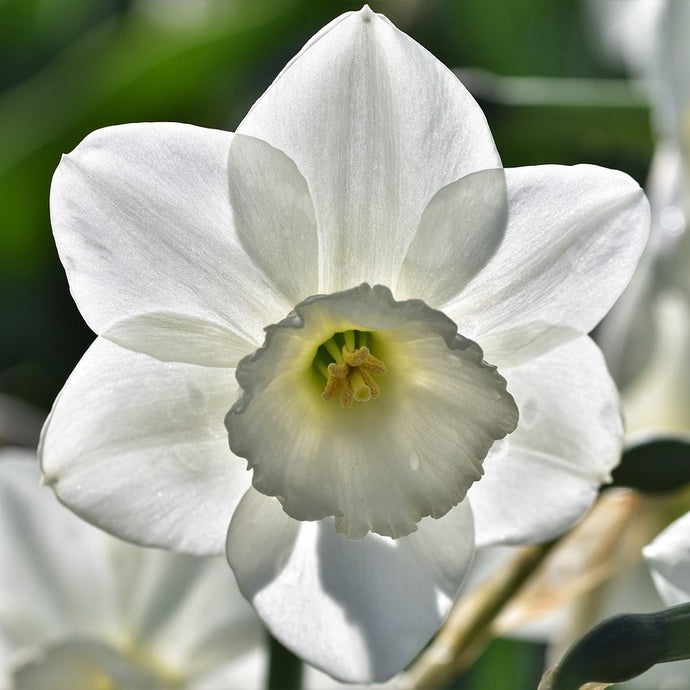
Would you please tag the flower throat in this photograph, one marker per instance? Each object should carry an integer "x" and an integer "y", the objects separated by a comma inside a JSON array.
[{"x": 348, "y": 366}]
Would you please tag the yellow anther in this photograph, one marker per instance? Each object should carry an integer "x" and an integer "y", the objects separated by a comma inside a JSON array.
[
  {"x": 346, "y": 394},
  {"x": 369, "y": 380},
  {"x": 374, "y": 365},
  {"x": 357, "y": 357},
  {"x": 333, "y": 386}
]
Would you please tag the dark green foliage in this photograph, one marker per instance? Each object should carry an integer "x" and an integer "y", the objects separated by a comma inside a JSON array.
[
  {"x": 625, "y": 646},
  {"x": 654, "y": 464}
]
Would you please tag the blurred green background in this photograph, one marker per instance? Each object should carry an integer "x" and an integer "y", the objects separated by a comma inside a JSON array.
[{"x": 71, "y": 66}]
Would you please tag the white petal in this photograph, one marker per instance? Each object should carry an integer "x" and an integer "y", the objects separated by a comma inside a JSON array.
[
  {"x": 379, "y": 465},
  {"x": 461, "y": 228},
  {"x": 377, "y": 126},
  {"x": 668, "y": 557},
  {"x": 359, "y": 610},
  {"x": 43, "y": 594},
  {"x": 144, "y": 225},
  {"x": 188, "y": 610},
  {"x": 542, "y": 478},
  {"x": 138, "y": 447},
  {"x": 173, "y": 337},
  {"x": 274, "y": 215},
  {"x": 573, "y": 239}
]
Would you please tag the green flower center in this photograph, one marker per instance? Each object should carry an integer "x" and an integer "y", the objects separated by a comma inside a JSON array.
[{"x": 348, "y": 366}]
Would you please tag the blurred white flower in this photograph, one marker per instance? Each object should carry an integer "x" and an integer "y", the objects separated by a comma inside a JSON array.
[
  {"x": 364, "y": 413},
  {"x": 626, "y": 29},
  {"x": 81, "y": 609},
  {"x": 646, "y": 338}
]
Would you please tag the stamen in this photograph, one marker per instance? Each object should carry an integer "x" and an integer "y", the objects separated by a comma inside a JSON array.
[
  {"x": 349, "y": 340},
  {"x": 321, "y": 366},
  {"x": 347, "y": 394},
  {"x": 333, "y": 350},
  {"x": 339, "y": 371},
  {"x": 333, "y": 386},
  {"x": 356, "y": 358},
  {"x": 373, "y": 386},
  {"x": 351, "y": 372}
]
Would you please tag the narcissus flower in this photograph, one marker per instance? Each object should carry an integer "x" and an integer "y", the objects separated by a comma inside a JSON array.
[
  {"x": 425, "y": 316},
  {"x": 81, "y": 610}
]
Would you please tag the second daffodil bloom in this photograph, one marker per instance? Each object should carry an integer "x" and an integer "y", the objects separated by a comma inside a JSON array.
[
  {"x": 81, "y": 610},
  {"x": 355, "y": 292}
]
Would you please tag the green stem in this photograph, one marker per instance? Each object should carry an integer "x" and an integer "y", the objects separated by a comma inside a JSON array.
[
  {"x": 285, "y": 671},
  {"x": 467, "y": 628}
]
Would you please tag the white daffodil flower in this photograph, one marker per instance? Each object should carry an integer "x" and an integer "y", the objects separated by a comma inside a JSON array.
[
  {"x": 82, "y": 610},
  {"x": 425, "y": 316}
]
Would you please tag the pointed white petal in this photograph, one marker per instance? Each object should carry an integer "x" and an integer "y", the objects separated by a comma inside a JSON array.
[
  {"x": 573, "y": 239},
  {"x": 144, "y": 225},
  {"x": 460, "y": 230},
  {"x": 359, "y": 610},
  {"x": 377, "y": 126},
  {"x": 668, "y": 557},
  {"x": 138, "y": 447},
  {"x": 173, "y": 337},
  {"x": 383, "y": 464},
  {"x": 542, "y": 478},
  {"x": 274, "y": 215}
]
